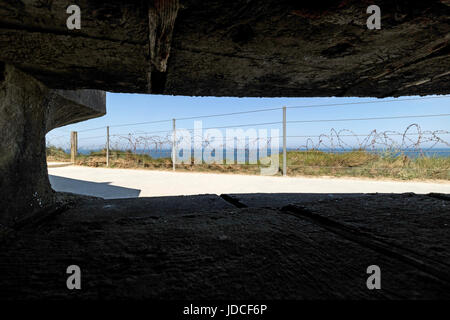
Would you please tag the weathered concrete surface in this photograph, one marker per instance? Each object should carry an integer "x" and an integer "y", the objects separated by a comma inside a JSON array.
[
  {"x": 412, "y": 223},
  {"x": 24, "y": 183},
  {"x": 163, "y": 249},
  {"x": 28, "y": 109},
  {"x": 233, "y": 48},
  {"x": 70, "y": 106},
  {"x": 319, "y": 48},
  {"x": 280, "y": 200}
]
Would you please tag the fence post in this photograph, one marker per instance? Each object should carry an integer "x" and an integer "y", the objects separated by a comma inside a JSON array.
[
  {"x": 107, "y": 146},
  {"x": 174, "y": 147},
  {"x": 284, "y": 142},
  {"x": 73, "y": 146}
]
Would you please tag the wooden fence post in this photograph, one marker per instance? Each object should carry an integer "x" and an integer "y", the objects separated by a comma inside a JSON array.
[
  {"x": 73, "y": 146},
  {"x": 284, "y": 143},
  {"x": 174, "y": 144},
  {"x": 107, "y": 146}
]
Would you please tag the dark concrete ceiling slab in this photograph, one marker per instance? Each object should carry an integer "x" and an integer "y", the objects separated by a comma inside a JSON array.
[
  {"x": 110, "y": 51},
  {"x": 233, "y": 48}
]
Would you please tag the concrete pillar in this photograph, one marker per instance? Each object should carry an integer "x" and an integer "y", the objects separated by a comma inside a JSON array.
[
  {"x": 24, "y": 184},
  {"x": 28, "y": 110}
]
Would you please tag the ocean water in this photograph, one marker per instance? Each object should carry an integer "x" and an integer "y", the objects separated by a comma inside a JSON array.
[{"x": 167, "y": 153}]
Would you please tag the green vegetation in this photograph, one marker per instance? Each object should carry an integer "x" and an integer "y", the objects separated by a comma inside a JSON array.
[
  {"x": 361, "y": 163},
  {"x": 56, "y": 154},
  {"x": 357, "y": 163}
]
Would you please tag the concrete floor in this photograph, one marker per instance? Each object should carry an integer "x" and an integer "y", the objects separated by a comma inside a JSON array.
[
  {"x": 204, "y": 247},
  {"x": 126, "y": 183}
]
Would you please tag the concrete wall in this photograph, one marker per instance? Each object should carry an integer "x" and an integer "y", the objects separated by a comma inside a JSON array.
[{"x": 28, "y": 109}]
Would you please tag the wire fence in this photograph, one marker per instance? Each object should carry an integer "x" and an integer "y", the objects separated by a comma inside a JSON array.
[{"x": 407, "y": 152}]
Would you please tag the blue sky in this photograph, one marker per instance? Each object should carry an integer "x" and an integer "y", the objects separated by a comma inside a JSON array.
[{"x": 136, "y": 108}]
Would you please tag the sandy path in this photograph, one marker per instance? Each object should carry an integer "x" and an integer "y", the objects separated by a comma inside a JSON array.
[{"x": 126, "y": 183}]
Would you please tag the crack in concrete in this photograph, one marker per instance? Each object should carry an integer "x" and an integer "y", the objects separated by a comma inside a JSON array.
[
  {"x": 235, "y": 202},
  {"x": 424, "y": 264}
]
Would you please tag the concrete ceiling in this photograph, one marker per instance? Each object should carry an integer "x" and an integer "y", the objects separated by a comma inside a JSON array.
[{"x": 232, "y": 48}]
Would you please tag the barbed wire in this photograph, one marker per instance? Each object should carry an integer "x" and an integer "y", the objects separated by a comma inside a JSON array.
[
  {"x": 412, "y": 140},
  {"x": 374, "y": 140}
]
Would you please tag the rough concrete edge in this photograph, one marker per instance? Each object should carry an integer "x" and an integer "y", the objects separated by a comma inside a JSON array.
[
  {"x": 94, "y": 99},
  {"x": 89, "y": 104}
]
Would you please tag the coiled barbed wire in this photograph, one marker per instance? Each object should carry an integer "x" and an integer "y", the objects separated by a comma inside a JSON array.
[
  {"x": 420, "y": 141},
  {"x": 412, "y": 140}
]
